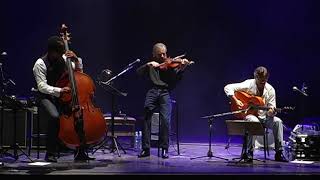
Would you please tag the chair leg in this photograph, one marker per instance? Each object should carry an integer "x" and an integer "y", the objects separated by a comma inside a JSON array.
[
  {"x": 38, "y": 134},
  {"x": 132, "y": 137},
  {"x": 267, "y": 134},
  {"x": 159, "y": 138},
  {"x": 265, "y": 146}
]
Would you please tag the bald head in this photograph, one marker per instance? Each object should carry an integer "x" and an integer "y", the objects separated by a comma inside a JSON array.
[{"x": 159, "y": 51}]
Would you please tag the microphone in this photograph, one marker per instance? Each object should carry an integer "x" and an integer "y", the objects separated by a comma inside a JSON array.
[
  {"x": 12, "y": 82},
  {"x": 296, "y": 89},
  {"x": 34, "y": 89},
  {"x": 3, "y": 57},
  {"x": 136, "y": 61},
  {"x": 107, "y": 72}
]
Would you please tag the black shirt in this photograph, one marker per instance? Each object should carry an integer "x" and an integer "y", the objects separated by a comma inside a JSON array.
[{"x": 160, "y": 78}]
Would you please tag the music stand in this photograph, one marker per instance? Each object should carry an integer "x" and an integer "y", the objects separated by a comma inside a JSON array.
[
  {"x": 210, "y": 154},
  {"x": 12, "y": 103},
  {"x": 244, "y": 128},
  {"x": 114, "y": 92},
  {"x": 115, "y": 143},
  {"x": 210, "y": 120}
]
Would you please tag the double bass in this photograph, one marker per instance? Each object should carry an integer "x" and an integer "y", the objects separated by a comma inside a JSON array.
[{"x": 82, "y": 124}]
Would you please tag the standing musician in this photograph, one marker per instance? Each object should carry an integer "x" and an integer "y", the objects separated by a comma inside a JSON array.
[
  {"x": 259, "y": 87},
  {"x": 47, "y": 71},
  {"x": 162, "y": 73}
]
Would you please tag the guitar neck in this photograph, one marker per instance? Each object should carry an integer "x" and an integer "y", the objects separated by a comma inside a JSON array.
[{"x": 278, "y": 110}]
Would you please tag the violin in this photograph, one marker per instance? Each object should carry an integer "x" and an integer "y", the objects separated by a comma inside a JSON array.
[{"x": 171, "y": 63}]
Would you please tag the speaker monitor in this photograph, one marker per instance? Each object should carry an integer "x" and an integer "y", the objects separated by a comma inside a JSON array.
[
  {"x": 22, "y": 126},
  {"x": 7, "y": 122}
]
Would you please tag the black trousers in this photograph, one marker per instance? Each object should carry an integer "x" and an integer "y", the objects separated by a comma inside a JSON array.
[
  {"x": 157, "y": 98},
  {"x": 51, "y": 112}
]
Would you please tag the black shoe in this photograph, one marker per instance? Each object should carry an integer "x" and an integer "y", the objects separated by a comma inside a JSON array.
[
  {"x": 81, "y": 156},
  {"x": 279, "y": 157},
  {"x": 50, "y": 157},
  {"x": 165, "y": 154},
  {"x": 144, "y": 153},
  {"x": 247, "y": 157}
]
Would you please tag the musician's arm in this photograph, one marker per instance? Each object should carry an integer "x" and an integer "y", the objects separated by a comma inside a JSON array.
[
  {"x": 142, "y": 70},
  {"x": 271, "y": 102},
  {"x": 78, "y": 65},
  {"x": 231, "y": 88},
  {"x": 39, "y": 72},
  {"x": 76, "y": 61}
]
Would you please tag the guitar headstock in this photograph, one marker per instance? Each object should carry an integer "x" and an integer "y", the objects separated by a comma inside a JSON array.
[
  {"x": 65, "y": 35},
  {"x": 286, "y": 109}
]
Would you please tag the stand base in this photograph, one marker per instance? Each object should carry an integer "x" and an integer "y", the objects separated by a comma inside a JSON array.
[
  {"x": 15, "y": 155},
  {"x": 113, "y": 147},
  {"x": 209, "y": 155},
  {"x": 245, "y": 159}
]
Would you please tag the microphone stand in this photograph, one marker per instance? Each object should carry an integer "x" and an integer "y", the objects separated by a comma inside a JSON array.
[
  {"x": 302, "y": 99},
  {"x": 114, "y": 92},
  {"x": 116, "y": 76},
  {"x": 210, "y": 121}
]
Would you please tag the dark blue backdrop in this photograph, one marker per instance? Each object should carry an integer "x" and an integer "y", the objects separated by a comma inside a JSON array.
[{"x": 227, "y": 40}]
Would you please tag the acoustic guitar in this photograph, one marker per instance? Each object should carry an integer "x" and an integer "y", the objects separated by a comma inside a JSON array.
[{"x": 251, "y": 105}]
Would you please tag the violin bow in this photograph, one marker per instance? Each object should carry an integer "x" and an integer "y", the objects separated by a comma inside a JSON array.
[{"x": 181, "y": 56}]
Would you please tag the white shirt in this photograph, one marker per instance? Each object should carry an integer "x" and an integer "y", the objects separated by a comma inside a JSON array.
[
  {"x": 250, "y": 86},
  {"x": 40, "y": 74}
]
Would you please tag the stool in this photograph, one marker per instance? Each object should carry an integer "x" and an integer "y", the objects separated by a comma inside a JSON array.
[
  {"x": 121, "y": 121},
  {"x": 262, "y": 142},
  {"x": 35, "y": 111},
  {"x": 155, "y": 121},
  {"x": 245, "y": 128}
]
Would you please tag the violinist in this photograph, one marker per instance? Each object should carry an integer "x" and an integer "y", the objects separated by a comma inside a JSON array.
[
  {"x": 47, "y": 70},
  {"x": 259, "y": 87},
  {"x": 162, "y": 74}
]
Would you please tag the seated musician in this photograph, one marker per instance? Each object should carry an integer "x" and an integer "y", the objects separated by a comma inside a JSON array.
[
  {"x": 259, "y": 87},
  {"x": 47, "y": 70}
]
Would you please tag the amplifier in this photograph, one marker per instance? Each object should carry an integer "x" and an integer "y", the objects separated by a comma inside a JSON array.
[
  {"x": 304, "y": 144},
  {"x": 26, "y": 125},
  {"x": 7, "y": 128}
]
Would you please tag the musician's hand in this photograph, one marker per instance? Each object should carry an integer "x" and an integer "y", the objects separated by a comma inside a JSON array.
[
  {"x": 184, "y": 64},
  {"x": 239, "y": 103},
  {"x": 153, "y": 64},
  {"x": 185, "y": 61},
  {"x": 65, "y": 90},
  {"x": 271, "y": 112},
  {"x": 70, "y": 54}
]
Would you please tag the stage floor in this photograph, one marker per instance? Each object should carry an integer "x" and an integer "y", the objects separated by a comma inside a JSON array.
[{"x": 107, "y": 163}]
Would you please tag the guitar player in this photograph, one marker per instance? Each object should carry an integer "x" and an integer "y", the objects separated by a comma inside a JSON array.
[{"x": 259, "y": 87}]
